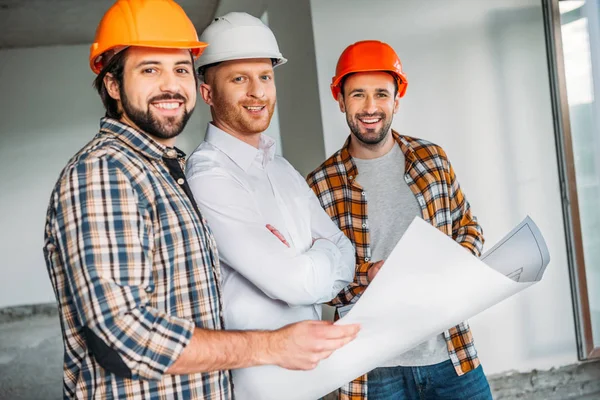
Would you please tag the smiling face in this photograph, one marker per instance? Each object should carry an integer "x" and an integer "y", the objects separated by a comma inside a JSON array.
[
  {"x": 370, "y": 101},
  {"x": 242, "y": 96},
  {"x": 158, "y": 92}
]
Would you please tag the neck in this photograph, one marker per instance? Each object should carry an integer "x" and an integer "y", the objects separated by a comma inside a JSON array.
[
  {"x": 165, "y": 142},
  {"x": 253, "y": 139},
  {"x": 366, "y": 151}
]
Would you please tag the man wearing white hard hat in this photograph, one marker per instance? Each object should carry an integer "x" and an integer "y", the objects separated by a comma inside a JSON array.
[{"x": 281, "y": 255}]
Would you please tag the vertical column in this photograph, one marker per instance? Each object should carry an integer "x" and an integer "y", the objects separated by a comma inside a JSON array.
[{"x": 300, "y": 122}]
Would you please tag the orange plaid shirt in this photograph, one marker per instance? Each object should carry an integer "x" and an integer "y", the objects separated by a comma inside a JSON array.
[{"x": 431, "y": 178}]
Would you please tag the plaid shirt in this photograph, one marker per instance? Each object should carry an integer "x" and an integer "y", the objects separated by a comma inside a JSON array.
[
  {"x": 431, "y": 178},
  {"x": 134, "y": 269}
]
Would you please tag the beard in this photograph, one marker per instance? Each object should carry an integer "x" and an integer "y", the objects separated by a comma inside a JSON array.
[
  {"x": 241, "y": 121},
  {"x": 147, "y": 122},
  {"x": 370, "y": 137}
]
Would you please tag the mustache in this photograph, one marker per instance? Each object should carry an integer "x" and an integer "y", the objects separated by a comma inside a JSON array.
[{"x": 168, "y": 96}]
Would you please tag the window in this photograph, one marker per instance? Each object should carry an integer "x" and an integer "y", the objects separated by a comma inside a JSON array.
[{"x": 573, "y": 32}]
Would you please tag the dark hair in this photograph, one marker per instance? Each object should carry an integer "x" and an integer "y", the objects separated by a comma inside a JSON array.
[
  {"x": 115, "y": 67},
  {"x": 343, "y": 81}
]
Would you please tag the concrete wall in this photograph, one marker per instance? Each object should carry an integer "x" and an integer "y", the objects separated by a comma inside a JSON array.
[{"x": 478, "y": 86}]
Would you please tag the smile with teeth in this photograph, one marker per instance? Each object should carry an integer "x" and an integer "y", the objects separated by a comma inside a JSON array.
[
  {"x": 167, "y": 105},
  {"x": 369, "y": 120},
  {"x": 254, "y": 108}
]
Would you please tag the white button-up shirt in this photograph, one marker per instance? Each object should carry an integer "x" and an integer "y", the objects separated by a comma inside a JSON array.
[{"x": 265, "y": 284}]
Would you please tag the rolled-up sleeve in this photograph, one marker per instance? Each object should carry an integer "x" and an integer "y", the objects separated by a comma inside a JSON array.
[{"x": 106, "y": 243}]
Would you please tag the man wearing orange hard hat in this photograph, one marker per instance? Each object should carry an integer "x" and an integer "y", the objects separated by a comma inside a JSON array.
[
  {"x": 385, "y": 179},
  {"x": 132, "y": 261}
]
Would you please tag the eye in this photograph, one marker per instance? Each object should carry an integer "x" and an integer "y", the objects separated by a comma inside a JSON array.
[
  {"x": 149, "y": 71},
  {"x": 382, "y": 95},
  {"x": 266, "y": 77},
  {"x": 239, "y": 79},
  {"x": 182, "y": 71},
  {"x": 358, "y": 95}
]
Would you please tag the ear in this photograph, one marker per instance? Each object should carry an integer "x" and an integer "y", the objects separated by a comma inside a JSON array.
[
  {"x": 112, "y": 86},
  {"x": 206, "y": 93},
  {"x": 396, "y": 103},
  {"x": 341, "y": 102}
]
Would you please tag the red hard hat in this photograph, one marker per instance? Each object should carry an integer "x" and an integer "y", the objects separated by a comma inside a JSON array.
[{"x": 365, "y": 56}]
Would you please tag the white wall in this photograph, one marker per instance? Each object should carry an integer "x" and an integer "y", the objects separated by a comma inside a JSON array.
[
  {"x": 49, "y": 111},
  {"x": 478, "y": 86}
]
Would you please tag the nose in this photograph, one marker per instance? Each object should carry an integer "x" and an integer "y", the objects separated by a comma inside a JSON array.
[
  {"x": 370, "y": 105},
  {"x": 256, "y": 89},
  {"x": 169, "y": 82}
]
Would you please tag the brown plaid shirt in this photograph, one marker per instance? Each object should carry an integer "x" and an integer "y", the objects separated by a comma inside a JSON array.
[{"x": 431, "y": 178}]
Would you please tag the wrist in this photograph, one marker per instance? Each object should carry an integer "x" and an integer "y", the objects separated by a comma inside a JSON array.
[{"x": 261, "y": 345}]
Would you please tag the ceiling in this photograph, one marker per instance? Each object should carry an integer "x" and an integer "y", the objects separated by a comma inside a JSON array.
[{"x": 32, "y": 23}]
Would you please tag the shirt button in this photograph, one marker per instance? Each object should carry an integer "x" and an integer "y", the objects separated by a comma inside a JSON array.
[
  {"x": 171, "y": 153},
  {"x": 364, "y": 225},
  {"x": 351, "y": 177},
  {"x": 367, "y": 258},
  {"x": 364, "y": 194},
  {"x": 181, "y": 181}
]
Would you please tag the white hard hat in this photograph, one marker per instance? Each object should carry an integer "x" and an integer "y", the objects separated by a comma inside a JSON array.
[{"x": 236, "y": 36}]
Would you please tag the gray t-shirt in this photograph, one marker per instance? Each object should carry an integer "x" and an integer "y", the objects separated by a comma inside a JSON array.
[{"x": 391, "y": 207}]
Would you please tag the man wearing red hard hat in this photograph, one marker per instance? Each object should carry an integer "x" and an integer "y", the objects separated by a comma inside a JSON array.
[
  {"x": 133, "y": 264},
  {"x": 384, "y": 180}
]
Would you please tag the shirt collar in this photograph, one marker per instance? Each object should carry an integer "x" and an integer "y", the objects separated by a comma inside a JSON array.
[
  {"x": 138, "y": 140},
  {"x": 239, "y": 151},
  {"x": 346, "y": 159}
]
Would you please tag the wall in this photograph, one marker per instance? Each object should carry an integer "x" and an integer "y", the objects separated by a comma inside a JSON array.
[
  {"x": 478, "y": 86},
  {"x": 49, "y": 111}
]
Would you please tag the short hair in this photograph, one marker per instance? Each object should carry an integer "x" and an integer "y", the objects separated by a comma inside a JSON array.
[
  {"x": 343, "y": 81},
  {"x": 115, "y": 67}
]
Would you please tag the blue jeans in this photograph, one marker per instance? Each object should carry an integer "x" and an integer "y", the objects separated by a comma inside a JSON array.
[{"x": 431, "y": 382}]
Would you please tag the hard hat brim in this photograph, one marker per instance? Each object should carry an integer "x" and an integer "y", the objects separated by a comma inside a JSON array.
[
  {"x": 196, "y": 47},
  {"x": 335, "y": 84},
  {"x": 215, "y": 58}
]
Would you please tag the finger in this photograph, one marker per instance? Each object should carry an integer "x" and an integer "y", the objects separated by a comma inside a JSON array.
[
  {"x": 340, "y": 331},
  {"x": 324, "y": 354},
  {"x": 334, "y": 344},
  {"x": 277, "y": 234}
]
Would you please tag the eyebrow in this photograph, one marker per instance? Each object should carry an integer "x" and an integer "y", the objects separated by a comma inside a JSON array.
[
  {"x": 378, "y": 90},
  {"x": 153, "y": 62},
  {"x": 249, "y": 73}
]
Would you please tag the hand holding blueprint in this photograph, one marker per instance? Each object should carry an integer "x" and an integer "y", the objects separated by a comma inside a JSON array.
[{"x": 428, "y": 284}]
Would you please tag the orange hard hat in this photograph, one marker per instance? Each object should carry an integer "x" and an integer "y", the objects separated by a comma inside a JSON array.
[
  {"x": 365, "y": 56},
  {"x": 145, "y": 23}
]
